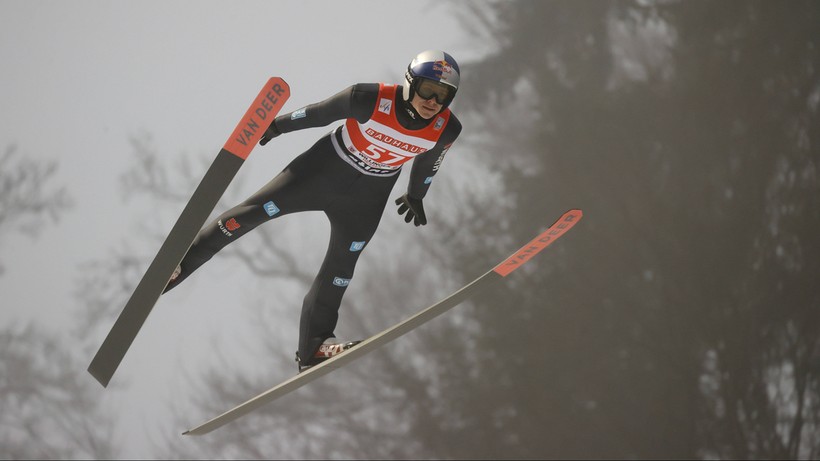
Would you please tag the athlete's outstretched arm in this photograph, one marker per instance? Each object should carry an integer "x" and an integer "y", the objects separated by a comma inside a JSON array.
[{"x": 356, "y": 101}]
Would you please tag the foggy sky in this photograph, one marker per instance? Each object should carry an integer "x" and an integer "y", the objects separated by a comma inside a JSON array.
[{"x": 79, "y": 78}]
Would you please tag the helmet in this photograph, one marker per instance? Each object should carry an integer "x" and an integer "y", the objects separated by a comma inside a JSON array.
[{"x": 434, "y": 65}]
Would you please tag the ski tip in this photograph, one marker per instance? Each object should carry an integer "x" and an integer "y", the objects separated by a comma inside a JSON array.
[
  {"x": 258, "y": 117},
  {"x": 556, "y": 230},
  {"x": 273, "y": 81}
]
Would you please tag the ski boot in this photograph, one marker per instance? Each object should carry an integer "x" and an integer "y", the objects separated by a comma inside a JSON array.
[
  {"x": 175, "y": 274},
  {"x": 174, "y": 277},
  {"x": 330, "y": 348}
]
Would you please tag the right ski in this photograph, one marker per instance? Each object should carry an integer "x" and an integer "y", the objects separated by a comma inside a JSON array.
[
  {"x": 220, "y": 174},
  {"x": 476, "y": 286}
]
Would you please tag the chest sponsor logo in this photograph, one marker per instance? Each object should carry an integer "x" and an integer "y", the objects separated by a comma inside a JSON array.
[
  {"x": 439, "y": 123},
  {"x": 394, "y": 142},
  {"x": 385, "y": 106}
]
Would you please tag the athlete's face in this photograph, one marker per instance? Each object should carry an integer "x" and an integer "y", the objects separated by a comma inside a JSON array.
[
  {"x": 427, "y": 108},
  {"x": 429, "y": 97}
]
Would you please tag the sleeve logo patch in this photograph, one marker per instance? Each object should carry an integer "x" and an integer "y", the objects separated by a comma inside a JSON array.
[
  {"x": 340, "y": 282},
  {"x": 299, "y": 113},
  {"x": 271, "y": 209}
]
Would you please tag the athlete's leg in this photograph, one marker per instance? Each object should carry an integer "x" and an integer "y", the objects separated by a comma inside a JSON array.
[
  {"x": 352, "y": 225},
  {"x": 297, "y": 188}
]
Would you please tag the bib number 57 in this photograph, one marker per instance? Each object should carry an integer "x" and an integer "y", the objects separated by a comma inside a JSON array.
[{"x": 384, "y": 156}]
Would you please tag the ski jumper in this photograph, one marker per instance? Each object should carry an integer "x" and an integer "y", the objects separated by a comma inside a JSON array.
[{"x": 348, "y": 174}]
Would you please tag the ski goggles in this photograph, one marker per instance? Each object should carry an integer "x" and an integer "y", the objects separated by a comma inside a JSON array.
[{"x": 428, "y": 89}]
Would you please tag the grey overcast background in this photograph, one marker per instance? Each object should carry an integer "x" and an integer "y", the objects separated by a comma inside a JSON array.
[
  {"x": 79, "y": 79},
  {"x": 680, "y": 319}
]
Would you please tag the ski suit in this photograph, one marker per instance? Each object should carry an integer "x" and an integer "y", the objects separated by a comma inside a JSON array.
[{"x": 348, "y": 174}]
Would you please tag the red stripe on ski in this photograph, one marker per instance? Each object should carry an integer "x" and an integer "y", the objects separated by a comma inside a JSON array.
[
  {"x": 529, "y": 250},
  {"x": 258, "y": 117}
]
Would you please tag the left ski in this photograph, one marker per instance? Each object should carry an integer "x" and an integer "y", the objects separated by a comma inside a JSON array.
[
  {"x": 490, "y": 278},
  {"x": 216, "y": 180}
]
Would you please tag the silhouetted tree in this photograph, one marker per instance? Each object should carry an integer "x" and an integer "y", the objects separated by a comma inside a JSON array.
[
  {"x": 46, "y": 411},
  {"x": 679, "y": 319},
  {"x": 27, "y": 198}
]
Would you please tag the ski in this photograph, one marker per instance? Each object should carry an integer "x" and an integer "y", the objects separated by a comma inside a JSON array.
[
  {"x": 519, "y": 258},
  {"x": 216, "y": 180}
]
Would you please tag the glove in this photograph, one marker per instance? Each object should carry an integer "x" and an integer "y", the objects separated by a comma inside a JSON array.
[
  {"x": 414, "y": 209},
  {"x": 269, "y": 134}
]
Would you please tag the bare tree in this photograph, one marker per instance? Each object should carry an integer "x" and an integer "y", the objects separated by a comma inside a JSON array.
[
  {"x": 46, "y": 410},
  {"x": 683, "y": 322},
  {"x": 27, "y": 199}
]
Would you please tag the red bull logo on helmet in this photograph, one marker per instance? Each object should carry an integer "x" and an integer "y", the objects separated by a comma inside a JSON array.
[{"x": 443, "y": 69}]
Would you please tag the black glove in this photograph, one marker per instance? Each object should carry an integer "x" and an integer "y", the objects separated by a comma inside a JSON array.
[
  {"x": 269, "y": 134},
  {"x": 414, "y": 209}
]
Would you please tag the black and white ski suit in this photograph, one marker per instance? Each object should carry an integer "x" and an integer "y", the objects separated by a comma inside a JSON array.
[{"x": 349, "y": 174}]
